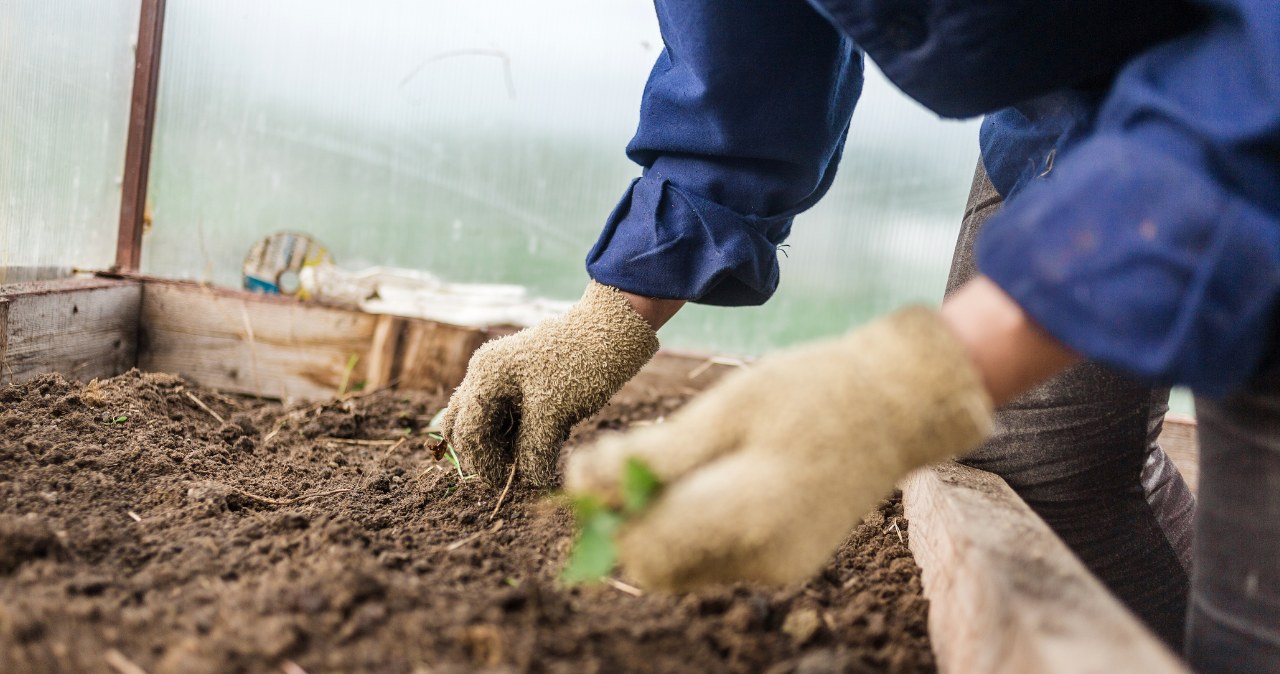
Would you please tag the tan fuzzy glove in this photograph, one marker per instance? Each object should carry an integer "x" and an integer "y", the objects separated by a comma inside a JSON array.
[
  {"x": 766, "y": 473},
  {"x": 523, "y": 393}
]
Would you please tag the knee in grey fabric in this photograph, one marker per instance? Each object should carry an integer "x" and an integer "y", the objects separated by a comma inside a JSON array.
[
  {"x": 1081, "y": 451},
  {"x": 1234, "y": 623}
]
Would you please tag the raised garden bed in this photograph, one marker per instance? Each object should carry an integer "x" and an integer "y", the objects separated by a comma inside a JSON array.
[{"x": 140, "y": 533}]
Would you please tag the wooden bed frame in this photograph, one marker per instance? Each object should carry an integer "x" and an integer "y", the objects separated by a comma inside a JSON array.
[{"x": 1006, "y": 594}]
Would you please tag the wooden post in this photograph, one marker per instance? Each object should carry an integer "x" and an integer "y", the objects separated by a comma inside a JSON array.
[{"x": 142, "y": 114}]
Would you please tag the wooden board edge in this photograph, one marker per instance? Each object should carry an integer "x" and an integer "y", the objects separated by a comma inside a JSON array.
[
  {"x": 1006, "y": 595},
  {"x": 269, "y": 345},
  {"x": 43, "y": 328},
  {"x": 4, "y": 334},
  {"x": 398, "y": 352},
  {"x": 1181, "y": 444},
  {"x": 24, "y": 289}
]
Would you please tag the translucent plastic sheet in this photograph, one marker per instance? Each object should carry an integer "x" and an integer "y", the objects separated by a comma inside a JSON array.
[
  {"x": 66, "y": 76},
  {"x": 483, "y": 141}
]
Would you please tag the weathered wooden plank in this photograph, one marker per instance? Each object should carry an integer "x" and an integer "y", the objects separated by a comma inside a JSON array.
[
  {"x": 252, "y": 344},
  {"x": 435, "y": 352},
  {"x": 80, "y": 327},
  {"x": 1005, "y": 593},
  {"x": 4, "y": 334},
  {"x": 384, "y": 352},
  {"x": 1179, "y": 441},
  {"x": 283, "y": 348}
]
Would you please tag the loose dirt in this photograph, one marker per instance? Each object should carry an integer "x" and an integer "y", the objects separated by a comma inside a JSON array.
[{"x": 136, "y": 530}]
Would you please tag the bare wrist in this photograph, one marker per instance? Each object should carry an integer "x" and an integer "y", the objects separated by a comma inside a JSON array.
[
  {"x": 656, "y": 312},
  {"x": 1010, "y": 351}
]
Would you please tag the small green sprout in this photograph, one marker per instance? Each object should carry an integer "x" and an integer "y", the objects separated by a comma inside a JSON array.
[
  {"x": 640, "y": 486},
  {"x": 434, "y": 426},
  {"x": 452, "y": 456},
  {"x": 595, "y": 550},
  {"x": 433, "y": 432},
  {"x": 346, "y": 374},
  {"x": 117, "y": 420}
]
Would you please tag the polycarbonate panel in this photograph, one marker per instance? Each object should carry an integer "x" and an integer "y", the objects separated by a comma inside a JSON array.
[
  {"x": 483, "y": 141},
  {"x": 66, "y": 77}
]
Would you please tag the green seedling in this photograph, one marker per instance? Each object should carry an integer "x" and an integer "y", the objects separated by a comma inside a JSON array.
[
  {"x": 449, "y": 455},
  {"x": 452, "y": 456},
  {"x": 346, "y": 374},
  {"x": 595, "y": 550},
  {"x": 433, "y": 432},
  {"x": 434, "y": 426},
  {"x": 117, "y": 420},
  {"x": 640, "y": 486}
]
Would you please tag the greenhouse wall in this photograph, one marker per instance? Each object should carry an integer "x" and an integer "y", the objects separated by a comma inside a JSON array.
[
  {"x": 66, "y": 69},
  {"x": 483, "y": 141}
]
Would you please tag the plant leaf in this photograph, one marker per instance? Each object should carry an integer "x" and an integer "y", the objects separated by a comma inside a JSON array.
[
  {"x": 433, "y": 426},
  {"x": 346, "y": 374},
  {"x": 639, "y": 486},
  {"x": 594, "y": 553},
  {"x": 457, "y": 462}
]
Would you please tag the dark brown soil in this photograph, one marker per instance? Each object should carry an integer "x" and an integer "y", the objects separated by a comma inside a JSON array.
[{"x": 135, "y": 528}]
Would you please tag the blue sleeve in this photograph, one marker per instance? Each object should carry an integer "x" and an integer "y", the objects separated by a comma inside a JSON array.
[
  {"x": 1154, "y": 246},
  {"x": 962, "y": 59},
  {"x": 741, "y": 127}
]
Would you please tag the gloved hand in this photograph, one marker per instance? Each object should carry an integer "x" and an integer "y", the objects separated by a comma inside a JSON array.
[
  {"x": 765, "y": 474},
  {"x": 523, "y": 393}
]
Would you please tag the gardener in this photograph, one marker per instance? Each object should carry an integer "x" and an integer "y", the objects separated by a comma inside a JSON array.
[{"x": 1139, "y": 166}]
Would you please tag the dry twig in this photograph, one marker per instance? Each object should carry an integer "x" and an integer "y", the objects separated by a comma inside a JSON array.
[
  {"x": 200, "y": 403},
  {"x": 503, "y": 496},
  {"x": 289, "y": 501},
  {"x": 467, "y": 539},
  {"x": 393, "y": 448},
  {"x": 363, "y": 443},
  {"x": 274, "y": 431},
  {"x": 896, "y": 530},
  {"x": 117, "y": 661},
  {"x": 366, "y": 393},
  {"x": 624, "y": 588}
]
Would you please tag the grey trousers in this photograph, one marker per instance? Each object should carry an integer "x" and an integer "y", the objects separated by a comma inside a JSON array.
[
  {"x": 1234, "y": 620},
  {"x": 1081, "y": 450}
]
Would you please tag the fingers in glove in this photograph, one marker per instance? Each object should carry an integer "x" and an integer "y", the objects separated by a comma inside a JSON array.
[
  {"x": 542, "y": 433},
  {"x": 691, "y": 439},
  {"x": 483, "y": 431},
  {"x": 752, "y": 516}
]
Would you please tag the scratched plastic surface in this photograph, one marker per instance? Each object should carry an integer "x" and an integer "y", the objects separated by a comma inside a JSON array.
[
  {"x": 483, "y": 141},
  {"x": 66, "y": 69}
]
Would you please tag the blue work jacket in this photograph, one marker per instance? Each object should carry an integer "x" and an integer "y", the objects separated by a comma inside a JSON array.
[{"x": 1137, "y": 145}]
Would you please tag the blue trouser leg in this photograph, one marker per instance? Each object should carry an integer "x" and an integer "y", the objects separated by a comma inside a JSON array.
[{"x": 1081, "y": 451}]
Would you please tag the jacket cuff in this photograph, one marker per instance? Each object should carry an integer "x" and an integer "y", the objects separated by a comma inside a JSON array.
[
  {"x": 1133, "y": 258},
  {"x": 664, "y": 242}
]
